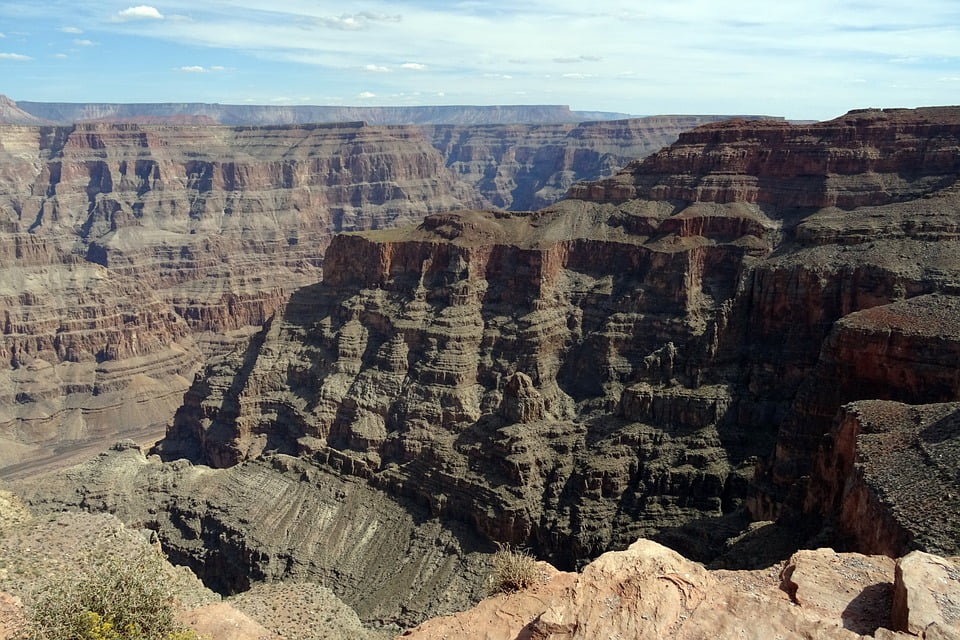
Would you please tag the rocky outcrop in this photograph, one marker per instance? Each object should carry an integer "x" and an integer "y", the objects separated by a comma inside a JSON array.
[
  {"x": 925, "y": 599},
  {"x": 887, "y": 474},
  {"x": 475, "y": 364},
  {"x": 612, "y": 366},
  {"x": 649, "y": 591}
]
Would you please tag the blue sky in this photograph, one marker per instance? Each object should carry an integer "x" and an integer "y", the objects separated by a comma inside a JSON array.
[{"x": 796, "y": 58}]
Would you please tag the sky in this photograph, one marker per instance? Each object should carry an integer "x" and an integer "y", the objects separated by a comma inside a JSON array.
[{"x": 803, "y": 59}]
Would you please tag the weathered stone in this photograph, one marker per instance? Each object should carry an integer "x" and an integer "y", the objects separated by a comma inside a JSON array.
[
  {"x": 648, "y": 591},
  {"x": 220, "y": 621},
  {"x": 926, "y": 597},
  {"x": 851, "y": 588}
]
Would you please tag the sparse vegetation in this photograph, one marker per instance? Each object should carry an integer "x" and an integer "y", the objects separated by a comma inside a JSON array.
[
  {"x": 513, "y": 570},
  {"x": 119, "y": 598}
]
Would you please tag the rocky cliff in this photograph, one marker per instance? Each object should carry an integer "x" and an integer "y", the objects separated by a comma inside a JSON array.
[
  {"x": 529, "y": 167},
  {"x": 614, "y": 365},
  {"x": 126, "y": 248},
  {"x": 130, "y": 249}
]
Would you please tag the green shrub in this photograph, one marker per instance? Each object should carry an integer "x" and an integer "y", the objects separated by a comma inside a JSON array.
[
  {"x": 117, "y": 599},
  {"x": 513, "y": 570}
]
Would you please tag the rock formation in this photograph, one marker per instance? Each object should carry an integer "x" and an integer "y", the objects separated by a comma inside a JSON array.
[
  {"x": 281, "y": 518},
  {"x": 613, "y": 366},
  {"x": 10, "y": 113},
  {"x": 648, "y": 591},
  {"x": 528, "y": 167},
  {"x": 129, "y": 252},
  {"x": 609, "y": 367}
]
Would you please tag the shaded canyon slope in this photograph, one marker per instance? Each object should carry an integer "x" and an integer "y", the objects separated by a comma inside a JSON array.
[
  {"x": 129, "y": 251},
  {"x": 526, "y": 167},
  {"x": 615, "y": 365}
]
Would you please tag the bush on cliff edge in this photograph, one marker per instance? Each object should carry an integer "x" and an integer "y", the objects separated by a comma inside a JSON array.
[
  {"x": 117, "y": 599},
  {"x": 513, "y": 570}
]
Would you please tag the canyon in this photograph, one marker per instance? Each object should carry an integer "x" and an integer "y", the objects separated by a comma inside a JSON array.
[
  {"x": 132, "y": 252},
  {"x": 744, "y": 343}
]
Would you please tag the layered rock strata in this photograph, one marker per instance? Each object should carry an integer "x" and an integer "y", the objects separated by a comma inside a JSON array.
[
  {"x": 280, "y": 518},
  {"x": 529, "y": 167},
  {"x": 155, "y": 242},
  {"x": 612, "y": 366},
  {"x": 122, "y": 246},
  {"x": 476, "y": 364}
]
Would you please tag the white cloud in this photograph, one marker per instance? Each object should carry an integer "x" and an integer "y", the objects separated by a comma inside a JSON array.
[
  {"x": 356, "y": 21},
  {"x": 2, "y": 35},
  {"x": 84, "y": 43},
  {"x": 73, "y": 30},
  {"x": 502, "y": 76},
  {"x": 140, "y": 12},
  {"x": 375, "y": 68},
  {"x": 571, "y": 60},
  {"x": 578, "y": 76},
  {"x": 366, "y": 95},
  {"x": 60, "y": 56},
  {"x": 196, "y": 68},
  {"x": 14, "y": 56},
  {"x": 414, "y": 66}
]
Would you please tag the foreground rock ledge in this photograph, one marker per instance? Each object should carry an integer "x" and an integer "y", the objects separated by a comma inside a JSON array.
[{"x": 649, "y": 591}]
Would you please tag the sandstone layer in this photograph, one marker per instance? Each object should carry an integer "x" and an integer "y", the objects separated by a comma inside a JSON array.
[{"x": 613, "y": 366}]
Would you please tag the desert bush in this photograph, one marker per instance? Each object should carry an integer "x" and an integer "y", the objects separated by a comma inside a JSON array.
[
  {"x": 116, "y": 599},
  {"x": 513, "y": 570}
]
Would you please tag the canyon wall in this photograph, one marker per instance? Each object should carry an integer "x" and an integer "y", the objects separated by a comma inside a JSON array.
[
  {"x": 132, "y": 251},
  {"x": 129, "y": 251},
  {"x": 760, "y": 317},
  {"x": 529, "y": 167},
  {"x": 615, "y": 365}
]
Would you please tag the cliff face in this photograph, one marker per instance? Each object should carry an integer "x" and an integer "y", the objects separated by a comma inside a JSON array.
[
  {"x": 132, "y": 250},
  {"x": 613, "y": 365},
  {"x": 123, "y": 245},
  {"x": 529, "y": 167},
  {"x": 863, "y": 158}
]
